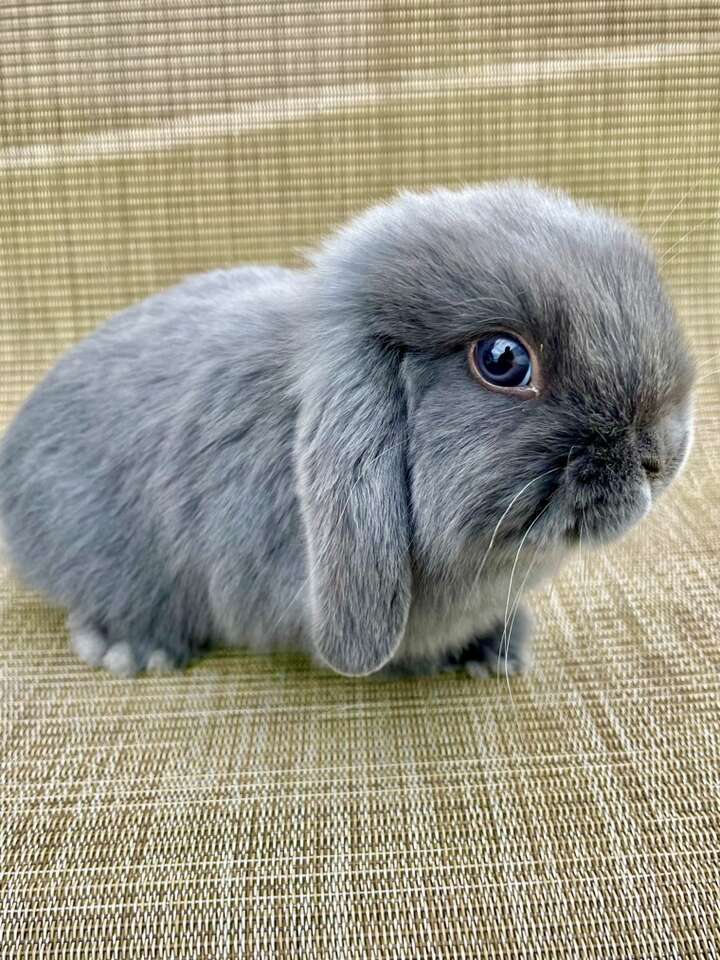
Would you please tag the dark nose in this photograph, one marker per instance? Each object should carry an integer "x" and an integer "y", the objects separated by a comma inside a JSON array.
[
  {"x": 652, "y": 466},
  {"x": 608, "y": 461}
]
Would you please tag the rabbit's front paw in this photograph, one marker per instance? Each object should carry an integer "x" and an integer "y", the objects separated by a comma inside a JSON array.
[
  {"x": 498, "y": 652},
  {"x": 121, "y": 658}
]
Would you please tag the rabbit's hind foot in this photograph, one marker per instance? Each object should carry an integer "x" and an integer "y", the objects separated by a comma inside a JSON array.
[{"x": 120, "y": 658}]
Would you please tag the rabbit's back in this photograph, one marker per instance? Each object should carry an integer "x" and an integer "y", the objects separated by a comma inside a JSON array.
[{"x": 149, "y": 475}]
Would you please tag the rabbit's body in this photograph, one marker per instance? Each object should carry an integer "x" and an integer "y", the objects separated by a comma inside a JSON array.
[
  {"x": 124, "y": 447},
  {"x": 247, "y": 458},
  {"x": 184, "y": 528}
]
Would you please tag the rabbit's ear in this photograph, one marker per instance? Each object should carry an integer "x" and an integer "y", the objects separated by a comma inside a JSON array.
[{"x": 351, "y": 465}]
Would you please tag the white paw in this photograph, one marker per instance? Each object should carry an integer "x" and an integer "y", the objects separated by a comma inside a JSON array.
[
  {"x": 88, "y": 644},
  {"x": 160, "y": 662},
  {"x": 505, "y": 668},
  {"x": 477, "y": 669},
  {"x": 119, "y": 660},
  {"x": 496, "y": 667},
  {"x": 510, "y": 667}
]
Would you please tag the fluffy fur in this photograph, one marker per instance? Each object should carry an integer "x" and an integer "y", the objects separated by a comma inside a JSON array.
[{"x": 275, "y": 457}]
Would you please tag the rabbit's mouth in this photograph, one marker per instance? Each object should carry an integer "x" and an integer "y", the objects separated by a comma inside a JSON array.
[
  {"x": 608, "y": 514},
  {"x": 607, "y": 486},
  {"x": 593, "y": 508}
]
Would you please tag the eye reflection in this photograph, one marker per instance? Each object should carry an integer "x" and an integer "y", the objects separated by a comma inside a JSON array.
[{"x": 503, "y": 361}]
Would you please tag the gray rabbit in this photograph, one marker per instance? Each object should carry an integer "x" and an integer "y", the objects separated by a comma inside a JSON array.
[{"x": 370, "y": 459}]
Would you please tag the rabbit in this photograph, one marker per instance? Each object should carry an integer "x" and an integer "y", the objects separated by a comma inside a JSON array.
[{"x": 372, "y": 458}]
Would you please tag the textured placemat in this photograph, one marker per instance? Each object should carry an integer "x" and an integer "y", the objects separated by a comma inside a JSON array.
[{"x": 258, "y": 808}]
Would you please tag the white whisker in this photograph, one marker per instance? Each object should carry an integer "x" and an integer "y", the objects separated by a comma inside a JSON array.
[
  {"x": 519, "y": 594},
  {"x": 707, "y": 376},
  {"x": 505, "y": 637},
  {"x": 583, "y": 526},
  {"x": 664, "y": 260},
  {"x": 707, "y": 360},
  {"x": 652, "y": 193},
  {"x": 682, "y": 200},
  {"x": 504, "y": 514}
]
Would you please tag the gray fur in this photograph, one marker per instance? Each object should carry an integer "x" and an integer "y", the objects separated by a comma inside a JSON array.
[{"x": 300, "y": 458}]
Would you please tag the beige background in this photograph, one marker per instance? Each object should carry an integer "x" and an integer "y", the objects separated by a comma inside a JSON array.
[{"x": 258, "y": 808}]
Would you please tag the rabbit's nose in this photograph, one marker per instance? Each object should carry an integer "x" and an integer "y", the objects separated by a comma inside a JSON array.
[
  {"x": 654, "y": 453},
  {"x": 652, "y": 466},
  {"x": 604, "y": 464}
]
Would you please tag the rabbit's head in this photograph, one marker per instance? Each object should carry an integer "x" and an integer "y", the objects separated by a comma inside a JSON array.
[{"x": 496, "y": 365}]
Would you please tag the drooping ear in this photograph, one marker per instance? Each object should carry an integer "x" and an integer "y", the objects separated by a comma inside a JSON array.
[{"x": 351, "y": 463}]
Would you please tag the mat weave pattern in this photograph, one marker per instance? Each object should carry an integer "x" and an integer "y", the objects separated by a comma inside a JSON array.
[{"x": 257, "y": 808}]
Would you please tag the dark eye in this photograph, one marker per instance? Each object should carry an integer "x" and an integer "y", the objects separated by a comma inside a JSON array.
[{"x": 502, "y": 362}]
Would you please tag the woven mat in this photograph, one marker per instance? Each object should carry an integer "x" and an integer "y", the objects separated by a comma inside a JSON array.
[{"x": 254, "y": 807}]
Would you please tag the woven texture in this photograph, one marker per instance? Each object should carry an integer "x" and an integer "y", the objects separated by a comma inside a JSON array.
[{"x": 255, "y": 807}]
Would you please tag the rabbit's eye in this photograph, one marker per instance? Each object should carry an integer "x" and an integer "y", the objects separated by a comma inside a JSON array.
[{"x": 502, "y": 362}]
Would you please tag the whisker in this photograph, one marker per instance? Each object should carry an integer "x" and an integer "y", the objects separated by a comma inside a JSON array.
[
  {"x": 652, "y": 193},
  {"x": 580, "y": 533},
  {"x": 682, "y": 200},
  {"x": 505, "y": 513},
  {"x": 519, "y": 594},
  {"x": 505, "y": 628},
  {"x": 505, "y": 638},
  {"x": 583, "y": 525},
  {"x": 664, "y": 260},
  {"x": 707, "y": 376},
  {"x": 707, "y": 360}
]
